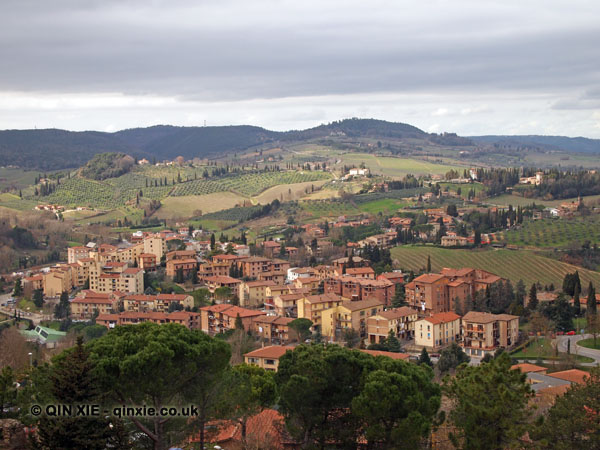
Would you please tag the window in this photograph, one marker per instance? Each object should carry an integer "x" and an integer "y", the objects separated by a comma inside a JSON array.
[
  {"x": 270, "y": 361},
  {"x": 428, "y": 335}
]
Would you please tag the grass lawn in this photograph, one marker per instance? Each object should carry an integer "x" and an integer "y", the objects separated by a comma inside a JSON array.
[
  {"x": 385, "y": 206},
  {"x": 511, "y": 264},
  {"x": 188, "y": 205},
  {"x": 541, "y": 348},
  {"x": 28, "y": 305},
  {"x": 589, "y": 343}
]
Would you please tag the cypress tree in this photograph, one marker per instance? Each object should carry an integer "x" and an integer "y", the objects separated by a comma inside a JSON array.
[{"x": 591, "y": 300}]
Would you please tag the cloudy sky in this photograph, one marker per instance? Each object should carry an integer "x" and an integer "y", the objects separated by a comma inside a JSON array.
[{"x": 467, "y": 66}]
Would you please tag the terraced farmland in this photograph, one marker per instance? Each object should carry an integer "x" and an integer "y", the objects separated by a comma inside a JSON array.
[
  {"x": 115, "y": 192},
  {"x": 554, "y": 232},
  {"x": 511, "y": 264}
]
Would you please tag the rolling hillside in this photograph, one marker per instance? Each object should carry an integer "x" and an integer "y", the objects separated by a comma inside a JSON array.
[{"x": 514, "y": 265}]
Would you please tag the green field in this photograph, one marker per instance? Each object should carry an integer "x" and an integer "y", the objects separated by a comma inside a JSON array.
[
  {"x": 554, "y": 232},
  {"x": 395, "y": 167},
  {"x": 511, "y": 264},
  {"x": 386, "y": 206},
  {"x": 517, "y": 200},
  {"x": 589, "y": 343}
]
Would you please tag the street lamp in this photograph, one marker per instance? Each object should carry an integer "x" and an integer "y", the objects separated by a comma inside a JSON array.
[{"x": 30, "y": 359}]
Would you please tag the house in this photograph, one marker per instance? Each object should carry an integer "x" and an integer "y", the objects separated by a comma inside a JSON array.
[
  {"x": 44, "y": 336},
  {"x": 147, "y": 262},
  {"x": 272, "y": 329},
  {"x": 267, "y": 357},
  {"x": 399, "y": 320},
  {"x": 300, "y": 272},
  {"x": 285, "y": 304},
  {"x": 90, "y": 302},
  {"x": 76, "y": 253},
  {"x": 310, "y": 283},
  {"x": 220, "y": 318},
  {"x": 271, "y": 248},
  {"x": 189, "y": 320},
  {"x": 438, "y": 330},
  {"x": 484, "y": 333},
  {"x": 252, "y": 294},
  {"x": 428, "y": 293},
  {"x": 349, "y": 315},
  {"x": 157, "y": 303},
  {"x": 361, "y": 272},
  {"x": 216, "y": 282},
  {"x": 394, "y": 277},
  {"x": 454, "y": 241},
  {"x": 185, "y": 265},
  {"x": 311, "y": 307}
]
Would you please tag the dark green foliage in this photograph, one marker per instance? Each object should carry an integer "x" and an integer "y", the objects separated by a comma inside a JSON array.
[
  {"x": 38, "y": 298},
  {"x": 452, "y": 357},
  {"x": 532, "y": 300},
  {"x": 570, "y": 283},
  {"x": 332, "y": 394},
  {"x": 424, "y": 358},
  {"x": 8, "y": 390},
  {"x": 591, "y": 298},
  {"x": 561, "y": 313},
  {"x": 73, "y": 382},
  {"x": 18, "y": 289},
  {"x": 302, "y": 328},
  {"x": 572, "y": 423},
  {"x": 63, "y": 309},
  {"x": 107, "y": 165},
  {"x": 159, "y": 365},
  {"x": 490, "y": 403}
]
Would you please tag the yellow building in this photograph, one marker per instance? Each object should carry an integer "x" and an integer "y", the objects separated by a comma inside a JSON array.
[
  {"x": 312, "y": 306},
  {"x": 438, "y": 330},
  {"x": 349, "y": 314},
  {"x": 253, "y": 294},
  {"x": 58, "y": 280},
  {"x": 399, "y": 320},
  {"x": 267, "y": 357}
]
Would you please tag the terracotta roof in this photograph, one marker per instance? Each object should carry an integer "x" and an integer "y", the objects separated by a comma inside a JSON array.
[
  {"x": 401, "y": 356},
  {"x": 363, "y": 304},
  {"x": 572, "y": 375},
  {"x": 396, "y": 313},
  {"x": 222, "y": 280},
  {"x": 429, "y": 278},
  {"x": 526, "y": 368},
  {"x": 456, "y": 272},
  {"x": 353, "y": 270},
  {"x": 172, "y": 297},
  {"x": 108, "y": 317},
  {"x": 272, "y": 351},
  {"x": 443, "y": 317},
  {"x": 482, "y": 317},
  {"x": 133, "y": 270},
  {"x": 306, "y": 280},
  {"x": 323, "y": 298},
  {"x": 98, "y": 300},
  {"x": 259, "y": 283}
]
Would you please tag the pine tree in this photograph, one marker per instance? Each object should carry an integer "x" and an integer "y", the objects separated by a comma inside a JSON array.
[
  {"x": 428, "y": 264},
  {"x": 38, "y": 298},
  {"x": 74, "y": 383},
  {"x": 393, "y": 343}
]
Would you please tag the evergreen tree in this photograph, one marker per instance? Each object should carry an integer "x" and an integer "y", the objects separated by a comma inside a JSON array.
[
  {"x": 393, "y": 343},
  {"x": 239, "y": 325},
  {"x": 533, "y": 300},
  {"x": 591, "y": 300},
  {"x": 424, "y": 358},
  {"x": 74, "y": 383},
  {"x": 577, "y": 301},
  {"x": 18, "y": 291},
  {"x": 213, "y": 241},
  {"x": 428, "y": 264},
  {"x": 38, "y": 298},
  {"x": 63, "y": 309}
]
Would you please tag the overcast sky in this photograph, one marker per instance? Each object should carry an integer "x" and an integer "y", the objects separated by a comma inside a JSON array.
[{"x": 471, "y": 67}]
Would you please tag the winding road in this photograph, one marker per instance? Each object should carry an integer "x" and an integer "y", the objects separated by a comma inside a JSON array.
[{"x": 577, "y": 349}]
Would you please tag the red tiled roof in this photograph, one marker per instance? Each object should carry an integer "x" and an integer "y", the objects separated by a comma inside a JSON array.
[
  {"x": 272, "y": 351},
  {"x": 572, "y": 375},
  {"x": 401, "y": 356},
  {"x": 527, "y": 368},
  {"x": 443, "y": 317}
]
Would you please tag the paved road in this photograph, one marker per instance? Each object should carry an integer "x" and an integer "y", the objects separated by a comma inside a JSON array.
[
  {"x": 10, "y": 311},
  {"x": 577, "y": 349}
]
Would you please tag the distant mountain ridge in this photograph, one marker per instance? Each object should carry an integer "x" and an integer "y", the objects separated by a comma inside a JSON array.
[
  {"x": 56, "y": 149},
  {"x": 567, "y": 144},
  {"x": 53, "y": 149}
]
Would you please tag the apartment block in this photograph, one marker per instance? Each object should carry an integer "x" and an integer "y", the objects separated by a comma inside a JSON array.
[
  {"x": 484, "y": 332},
  {"x": 399, "y": 320},
  {"x": 438, "y": 330}
]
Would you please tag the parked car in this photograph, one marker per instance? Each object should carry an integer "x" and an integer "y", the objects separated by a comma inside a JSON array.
[{"x": 571, "y": 333}]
